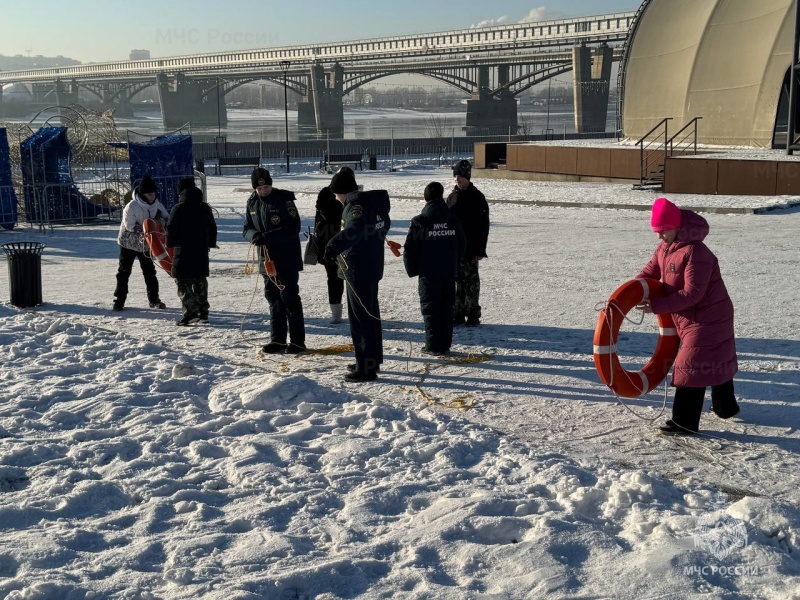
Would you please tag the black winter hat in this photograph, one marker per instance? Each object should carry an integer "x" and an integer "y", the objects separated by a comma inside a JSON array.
[
  {"x": 434, "y": 191},
  {"x": 193, "y": 194},
  {"x": 462, "y": 168},
  {"x": 146, "y": 186},
  {"x": 344, "y": 181},
  {"x": 185, "y": 183},
  {"x": 260, "y": 177}
]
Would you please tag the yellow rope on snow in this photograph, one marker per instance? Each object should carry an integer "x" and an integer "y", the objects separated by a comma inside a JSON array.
[
  {"x": 327, "y": 351},
  {"x": 458, "y": 403}
]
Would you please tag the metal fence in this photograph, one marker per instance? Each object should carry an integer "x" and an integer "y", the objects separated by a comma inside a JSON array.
[{"x": 383, "y": 148}]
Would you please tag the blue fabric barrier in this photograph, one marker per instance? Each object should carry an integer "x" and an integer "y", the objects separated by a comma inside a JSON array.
[
  {"x": 167, "y": 159},
  {"x": 50, "y": 193}
]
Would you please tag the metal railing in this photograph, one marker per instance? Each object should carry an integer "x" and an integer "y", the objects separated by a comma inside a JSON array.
[
  {"x": 653, "y": 155},
  {"x": 685, "y": 139}
]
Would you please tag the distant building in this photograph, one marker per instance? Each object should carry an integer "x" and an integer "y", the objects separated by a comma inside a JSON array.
[
  {"x": 19, "y": 62},
  {"x": 140, "y": 55}
]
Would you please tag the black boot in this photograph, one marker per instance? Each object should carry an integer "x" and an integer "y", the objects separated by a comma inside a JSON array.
[
  {"x": 358, "y": 376},
  {"x": 293, "y": 348},
  {"x": 188, "y": 319},
  {"x": 273, "y": 348},
  {"x": 672, "y": 428}
]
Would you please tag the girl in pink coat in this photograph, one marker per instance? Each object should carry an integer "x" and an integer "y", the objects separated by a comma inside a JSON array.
[{"x": 695, "y": 295}]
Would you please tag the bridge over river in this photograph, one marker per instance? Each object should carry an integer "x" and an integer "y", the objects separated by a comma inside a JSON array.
[{"x": 490, "y": 64}]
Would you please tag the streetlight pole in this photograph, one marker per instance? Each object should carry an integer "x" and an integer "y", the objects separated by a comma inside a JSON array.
[{"x": 285, "y": 66}]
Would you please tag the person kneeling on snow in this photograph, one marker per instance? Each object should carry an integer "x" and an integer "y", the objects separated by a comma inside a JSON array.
[{"x": 192, "y": 231}]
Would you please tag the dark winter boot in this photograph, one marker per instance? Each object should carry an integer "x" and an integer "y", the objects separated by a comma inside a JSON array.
[
  {"x": 293, "y": 348},
  {"x": 157, "y": 304},
  {"x": 273, "y": 348},
  {"x": 189, "y": 319},
  {"x": 118, "y": 305},
  {"x": 359, "y": 376},
  {"x": 672, "y": 428}
]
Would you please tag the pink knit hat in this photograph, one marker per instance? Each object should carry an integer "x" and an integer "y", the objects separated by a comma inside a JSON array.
[{"x": 665, "y": 216}]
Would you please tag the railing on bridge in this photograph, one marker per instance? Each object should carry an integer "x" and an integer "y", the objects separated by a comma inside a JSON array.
[{"x": 513, "y": 38}]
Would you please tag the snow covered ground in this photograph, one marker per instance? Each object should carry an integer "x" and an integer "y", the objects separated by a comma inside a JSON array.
[{"x": 140, "y": 460}]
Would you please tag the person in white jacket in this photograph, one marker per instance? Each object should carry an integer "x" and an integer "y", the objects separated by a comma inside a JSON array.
[{"x": 132, "y": 246}]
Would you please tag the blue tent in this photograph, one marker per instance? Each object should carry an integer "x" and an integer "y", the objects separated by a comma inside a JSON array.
[
  {"x": 8, "y": 200},
  {"x": 50, "y": 193},
  {"x": 167, "y": 159}
]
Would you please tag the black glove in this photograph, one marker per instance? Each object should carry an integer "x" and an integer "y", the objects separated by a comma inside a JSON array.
[
  {"x": 258, "y": 240},
  {"x": 329, "y": 256}
]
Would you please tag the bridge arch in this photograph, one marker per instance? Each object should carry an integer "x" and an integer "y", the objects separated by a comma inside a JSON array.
[
  {"x": 464, "y": 84},
  {"x": 229, "y": 85}
]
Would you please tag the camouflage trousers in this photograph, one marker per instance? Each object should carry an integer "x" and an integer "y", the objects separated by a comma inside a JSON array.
[
  {"x": 468, "y": 289},
  {"x": 193, "y": 293}
]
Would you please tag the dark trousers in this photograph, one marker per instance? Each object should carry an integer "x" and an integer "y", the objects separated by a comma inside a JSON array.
[
  {"x": 286, "y": 308},
  {"x": 193, "y": 293},
  {"x": 436, "y": 300},
  {"x": 468, "y": 290},
  {"x": 365, "y": 324},
  {"x": 126, "y": 258},
  {"x": 688, "y": 404},
  {"x": 335, "y": 284}
]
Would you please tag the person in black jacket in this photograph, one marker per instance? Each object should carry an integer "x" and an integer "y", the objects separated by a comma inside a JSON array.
[
  {"x": 273, "y": 224},
  {"x": 192, "y": 231},
  {"x": 468, "y": 204},
  {"x": 433, "y": 248},
  {"x": 327, "y": 223},
  {"x": 358, "y": 251}
]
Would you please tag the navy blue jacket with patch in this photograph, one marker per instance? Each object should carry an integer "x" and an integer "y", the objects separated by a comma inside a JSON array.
[
  {"x": 361, "y": 242},
  {"x": 435, "y": 243},
  {"x": 274, "y": 222}
]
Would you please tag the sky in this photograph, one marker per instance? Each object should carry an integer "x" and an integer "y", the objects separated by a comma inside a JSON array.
[
  {"x": 144, "y": 461},
  {"x": 91, "y": 30}
]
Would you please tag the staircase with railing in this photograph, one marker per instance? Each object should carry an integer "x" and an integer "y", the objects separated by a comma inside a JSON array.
[
  {"x": 653, "y": 156},
  {"x": 656, "y": 146}
]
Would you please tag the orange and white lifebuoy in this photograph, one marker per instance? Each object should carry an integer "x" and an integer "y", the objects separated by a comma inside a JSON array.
[
  {"x": 632, "y": 384},
  {"x": 156, "y": 240}
]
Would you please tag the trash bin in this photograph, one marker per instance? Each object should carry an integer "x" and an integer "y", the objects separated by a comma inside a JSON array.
[
  {"x": 373, "y": 162},
  {"x": 25, "y": 272}
]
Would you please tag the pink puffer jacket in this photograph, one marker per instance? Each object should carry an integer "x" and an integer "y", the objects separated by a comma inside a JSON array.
[{"x": 698, "y": 300}]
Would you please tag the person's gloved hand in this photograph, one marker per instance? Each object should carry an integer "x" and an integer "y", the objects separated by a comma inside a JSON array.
[
  {"x": 258, "y": 240},
  {"x": 329, "y": 255}
]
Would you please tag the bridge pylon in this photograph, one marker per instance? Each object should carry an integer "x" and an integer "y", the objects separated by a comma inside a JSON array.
[
  {"x": 488, "y": 112},
  {"x": 321, "y": 109},
  {"x": 198, "y": 101},
  {"x": 591, "y": 68}
]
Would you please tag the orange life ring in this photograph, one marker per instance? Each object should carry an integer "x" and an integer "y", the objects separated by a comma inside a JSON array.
[
  {"x": 632, "y": 384},
  {"x": 157, "y": 242}
]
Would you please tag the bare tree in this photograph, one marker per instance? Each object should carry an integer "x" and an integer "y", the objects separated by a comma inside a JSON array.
[{"x": 435, "y": 130}]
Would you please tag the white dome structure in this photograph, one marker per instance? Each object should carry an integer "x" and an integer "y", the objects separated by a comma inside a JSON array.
[{"x": 726, "y": 61}]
